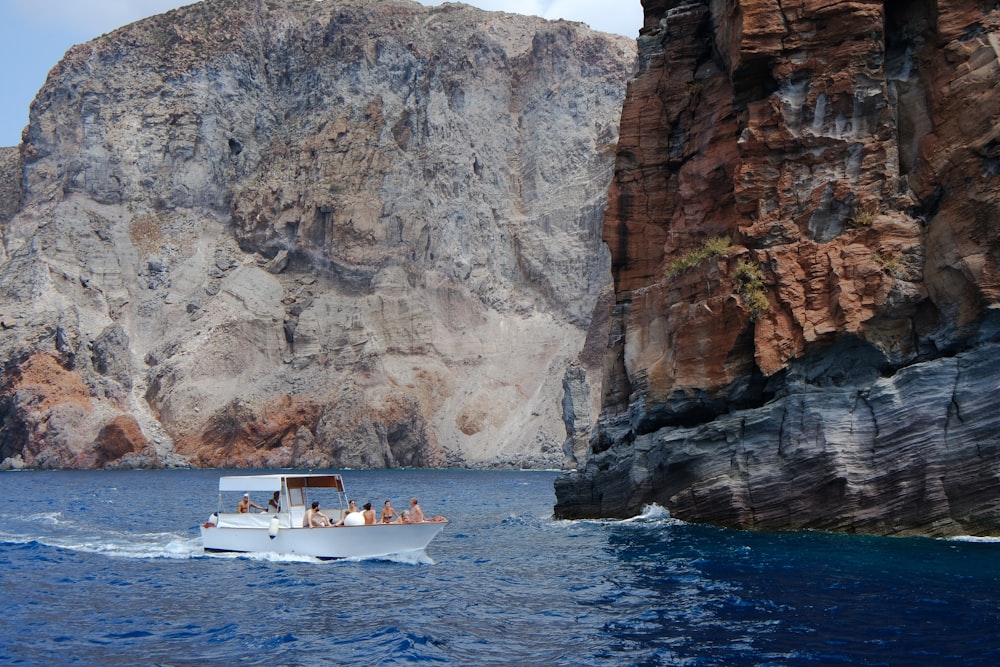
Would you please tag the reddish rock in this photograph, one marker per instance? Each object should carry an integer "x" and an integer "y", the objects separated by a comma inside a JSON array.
[
  {"x": 244, "y": 435},
  {"x": 337, "y": 431},
  {"x": 849, "y": 153},
  {"x": 787, "y": 147},
  {"x": 53, "y": 421},
  {"x": 119, "y": 438}
]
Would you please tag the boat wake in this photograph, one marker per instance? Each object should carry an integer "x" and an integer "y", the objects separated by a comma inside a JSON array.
[
  {"x": 51, "y": 529},
  {"x": 153, "y": 545}
]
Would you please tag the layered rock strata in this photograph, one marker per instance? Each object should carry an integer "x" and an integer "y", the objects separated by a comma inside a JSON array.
[
  {"x": 298, "y": 233},
  {"x": 805, "y": 253}
]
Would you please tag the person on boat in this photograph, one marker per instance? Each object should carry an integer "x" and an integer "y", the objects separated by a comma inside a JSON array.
[
  {"x": 274, "y": 504},
  {"x": 314, "y": 518},
  {"x": 389, "y": 513},
  {"x": 416, "y": 514},
  {"x": 352, "y": 507},
  {"x": 369, "y": 515},
  {"x": 244, "y": 505},
  {"x": 405, "y": 517}
]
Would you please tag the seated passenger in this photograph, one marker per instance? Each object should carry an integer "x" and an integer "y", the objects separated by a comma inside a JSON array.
[
  {"x": 416, "y": 514},
  {"x": 389, "y": 513},
  {"x": 351, "y": 508},
  {"x": 314, "y": 518},
  {"x": 274, "y": 504},
  {"x": 369, "y": 515}
]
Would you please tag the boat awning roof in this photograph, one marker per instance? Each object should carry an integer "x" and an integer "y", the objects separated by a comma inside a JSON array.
[{"x": 273, "y": 482}]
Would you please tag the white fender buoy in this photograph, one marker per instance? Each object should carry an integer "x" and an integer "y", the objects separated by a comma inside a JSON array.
[
  {"x": 272, "y": 529},
  {"x": 354, "y": 519}
]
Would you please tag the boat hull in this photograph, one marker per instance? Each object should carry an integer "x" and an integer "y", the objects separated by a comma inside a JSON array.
[{"x": 332, "y": 542}]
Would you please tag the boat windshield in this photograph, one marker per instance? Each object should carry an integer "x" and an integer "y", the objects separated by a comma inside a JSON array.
[{"x": 298, "y": 490}]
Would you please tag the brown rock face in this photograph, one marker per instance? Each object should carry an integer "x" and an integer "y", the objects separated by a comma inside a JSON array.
[
  {"x": 119, "y": 438},
  {"x": 804, "y": 204},
  {"x": 40, "y": 395}
]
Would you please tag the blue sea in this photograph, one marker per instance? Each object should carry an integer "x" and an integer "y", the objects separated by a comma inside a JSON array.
[{"x": 106, "y": 568}]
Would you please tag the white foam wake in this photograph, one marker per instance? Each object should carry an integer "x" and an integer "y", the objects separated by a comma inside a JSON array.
[
  {"x": 651, "y": 513},
  {"x": 974, "y": 538}
]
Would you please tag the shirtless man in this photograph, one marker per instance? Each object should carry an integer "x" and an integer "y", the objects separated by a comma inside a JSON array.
[
  {"x": 245, "y": 504},
  {"x": 314, "y": 518},
  {"x": 416, "y": 514}
]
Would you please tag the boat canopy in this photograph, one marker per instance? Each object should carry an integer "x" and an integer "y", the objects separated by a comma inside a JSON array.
[{"x": 273, "y": 482}]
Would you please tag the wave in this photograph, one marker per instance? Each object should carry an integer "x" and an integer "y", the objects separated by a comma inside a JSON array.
[
  {"x": 973, "y": 538},
  {"x": 418, "y": 557},
  {"x": 652, "y": 514}
]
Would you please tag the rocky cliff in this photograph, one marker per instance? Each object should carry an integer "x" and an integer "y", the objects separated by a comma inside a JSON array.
[
  {"x": 299, "y": 233},
  {"x": 804, "y": 235}
]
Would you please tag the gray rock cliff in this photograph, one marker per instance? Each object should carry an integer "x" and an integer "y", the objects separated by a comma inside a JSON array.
[{"x": 298, "y": 233}]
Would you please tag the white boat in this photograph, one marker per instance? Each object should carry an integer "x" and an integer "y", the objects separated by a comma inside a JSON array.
[{"x": 282, "y": 532}]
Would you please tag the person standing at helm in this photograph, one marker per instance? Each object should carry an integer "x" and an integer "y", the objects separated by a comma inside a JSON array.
[{"x": 244, "y": 506}]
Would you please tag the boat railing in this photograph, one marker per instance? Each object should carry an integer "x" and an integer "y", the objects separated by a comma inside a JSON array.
[{"x": 251, "y": 520}]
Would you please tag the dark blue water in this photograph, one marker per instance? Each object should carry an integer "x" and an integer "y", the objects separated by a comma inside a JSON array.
[{"x": 106, "y": 568}]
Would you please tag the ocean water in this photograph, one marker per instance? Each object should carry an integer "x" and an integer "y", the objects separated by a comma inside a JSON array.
[{"x": 106, "y": 568}]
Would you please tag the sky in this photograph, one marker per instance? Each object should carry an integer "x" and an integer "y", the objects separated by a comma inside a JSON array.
[{"x": 34, "y": 35}]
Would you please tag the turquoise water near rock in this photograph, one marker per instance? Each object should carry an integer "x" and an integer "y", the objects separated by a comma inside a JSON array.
[{"x": 106, "y": 568}]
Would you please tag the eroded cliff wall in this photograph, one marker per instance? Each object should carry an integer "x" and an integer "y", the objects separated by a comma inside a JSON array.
[
  {"x": 290, "y": 233},
  {"x": 804, "y": 236}
]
